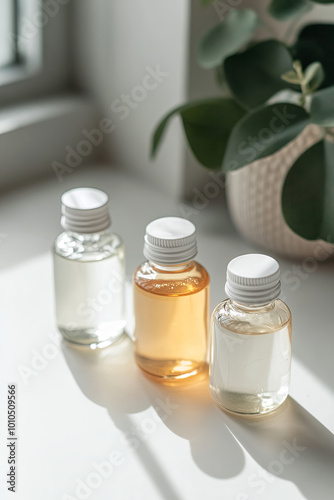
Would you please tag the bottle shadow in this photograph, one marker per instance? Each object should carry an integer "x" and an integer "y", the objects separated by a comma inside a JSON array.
[
  {"x": 194, "y": 416},
  {"x": 110, "y": 378},
  {"x": 290, "y": 444}
]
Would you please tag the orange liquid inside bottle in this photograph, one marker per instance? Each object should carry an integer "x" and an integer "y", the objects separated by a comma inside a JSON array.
[{"x": 171, "y": 310}]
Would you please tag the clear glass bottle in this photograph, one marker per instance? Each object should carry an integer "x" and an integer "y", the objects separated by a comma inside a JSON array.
[
  {"x": 251, "y": 339},
  {"x": 88, "y": 271},
  {"x": 171, "y": 303}
]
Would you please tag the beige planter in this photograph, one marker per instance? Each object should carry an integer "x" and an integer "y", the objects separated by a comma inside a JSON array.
[{"x": 254, "y": 200}]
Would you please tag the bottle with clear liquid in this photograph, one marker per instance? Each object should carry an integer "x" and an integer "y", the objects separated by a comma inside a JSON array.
[
  {"x": 89, "y": 271},
  {"x": 171, "y": 303},
  {"x": 251, "y": 339}
]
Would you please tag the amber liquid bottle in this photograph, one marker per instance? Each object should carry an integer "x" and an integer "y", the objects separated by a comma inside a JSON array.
[{"x": 171, "y": 303}]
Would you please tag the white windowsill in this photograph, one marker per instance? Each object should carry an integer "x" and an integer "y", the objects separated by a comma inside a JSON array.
[
  {"x": 34, "y": 135},
  {"x": 18, "y": 73},
  {"x": 24, "y": 115}
]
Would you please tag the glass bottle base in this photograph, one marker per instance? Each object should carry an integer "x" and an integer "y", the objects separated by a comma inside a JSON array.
[
  {"x": 172, "y": 372},
  {"x": 248, "y": 404},
  {"x": 91, "y": 337}
]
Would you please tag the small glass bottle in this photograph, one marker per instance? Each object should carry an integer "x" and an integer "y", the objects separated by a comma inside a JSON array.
[
  {"x": 171, "y": 303},
  {"x": 251, "y": 339},
  {"x": 88, "y": 271}
]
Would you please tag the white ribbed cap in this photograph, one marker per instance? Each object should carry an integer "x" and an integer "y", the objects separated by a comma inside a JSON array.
[
  {"x": 85, "y": 210},
  {"x": 170, "y": 240},
  {"x": 253, "y": 279}
]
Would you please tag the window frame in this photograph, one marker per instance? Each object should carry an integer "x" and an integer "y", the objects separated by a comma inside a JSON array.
[{"x": 43, "y": 65}]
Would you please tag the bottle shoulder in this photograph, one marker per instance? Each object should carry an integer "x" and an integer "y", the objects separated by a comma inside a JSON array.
[
  {"x": 252, "y": 320},
  {"x": 88, "y": 247},
  {"x": 191, "y": 279}
]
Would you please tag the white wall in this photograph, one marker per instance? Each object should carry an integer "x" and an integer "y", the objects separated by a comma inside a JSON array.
[{"x": 115, "y": 41}]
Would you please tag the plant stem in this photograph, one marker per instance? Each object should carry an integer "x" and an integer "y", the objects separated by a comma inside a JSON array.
[
  {"x": 290, "y": 29},
  {"x": 304, "y": 88}
]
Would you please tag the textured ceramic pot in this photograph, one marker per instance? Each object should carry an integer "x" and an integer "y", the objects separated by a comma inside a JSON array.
[{"x": 254, "y": 199}]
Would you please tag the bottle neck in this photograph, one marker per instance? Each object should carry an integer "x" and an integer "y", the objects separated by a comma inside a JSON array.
[
  {"x": 174, "y": 268},
  {"x": 252, "y": 308},
  {"x": 87, "y": 237}
]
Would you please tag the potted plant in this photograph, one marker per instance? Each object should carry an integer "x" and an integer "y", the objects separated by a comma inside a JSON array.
[{"x": 273, "y": 134}]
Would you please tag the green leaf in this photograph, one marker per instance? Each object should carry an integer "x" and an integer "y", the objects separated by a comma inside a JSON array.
[
  {"x": 322, "y": 107},
  {"x": 310, "y": 79},
  {"x": 284, "y": 9},
  {"x": 316, "y": 43},
  {"x": 323, "y": 1},
  {"x": 291, "y": 77},
  {"x": 255, "y": 74},
  {"x": 237, "y": 29},
  {"x": 207, "y": 124},
  {"x": 303, "y": 192},
  {"x": 314, "y": 76},
  {"x": 311, "y": 71},
  {"x": 262, "y": 132},
  {"x": 308, "y": 194}
]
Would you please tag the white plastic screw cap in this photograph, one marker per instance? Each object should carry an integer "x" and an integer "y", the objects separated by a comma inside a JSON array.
[
  {"x": 170, "y": 240},
  {"x": 253, "y": 279},
  {"x": 85, "y": 210}
]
